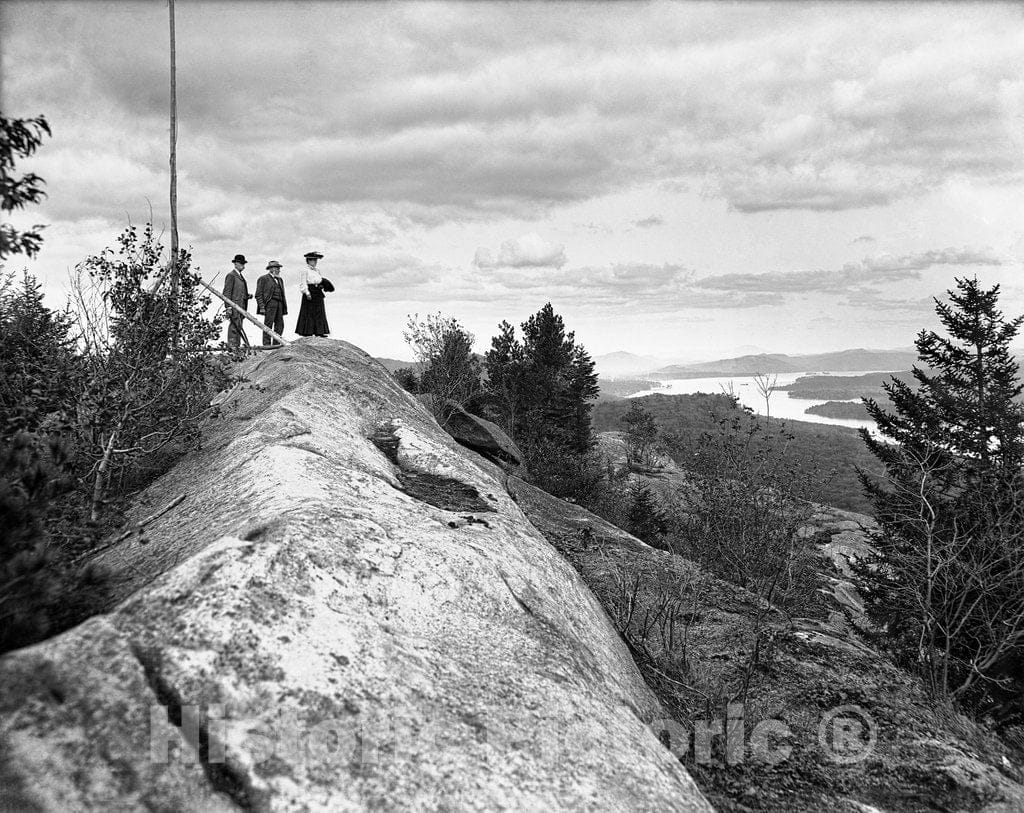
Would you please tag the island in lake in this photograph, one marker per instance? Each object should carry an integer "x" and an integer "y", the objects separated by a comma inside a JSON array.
[{"x": 842, "y": 387}]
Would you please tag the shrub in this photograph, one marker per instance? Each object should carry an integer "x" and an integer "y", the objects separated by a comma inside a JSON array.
[
  {"x": 450, "y": 371},
  {"x": 746, "y": 503},
  {"x": 34, "y": 471},
  {"x": 148, "y": 378},
  {"x": 92, "y": 401},
  {"x": 407, "y": 379}
]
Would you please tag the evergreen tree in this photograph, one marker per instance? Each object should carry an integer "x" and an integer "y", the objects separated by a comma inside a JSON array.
[
  {"x": 646, "y": 519},
  {"x": 39, "y": 365},
  {"x": 560, "y": 383},
  {"x": 641, "y": 432},
  {"x": 542, "y": 391},
  {"x": 33, "y": 472},
  {"x": 947, "y": 582},
  {"x": 505, "y": 378}
]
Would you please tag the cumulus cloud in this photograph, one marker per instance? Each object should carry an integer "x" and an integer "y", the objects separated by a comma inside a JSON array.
[
  {"x": 529, "y": 251},
  {"x": 884, "y": 268}
]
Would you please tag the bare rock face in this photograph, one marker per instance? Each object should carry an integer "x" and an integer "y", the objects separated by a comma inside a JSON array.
[
  {"x": 843, "y": 537},
  {"x": 345, "y": 612},
  {"x": 476, "y": 433}
]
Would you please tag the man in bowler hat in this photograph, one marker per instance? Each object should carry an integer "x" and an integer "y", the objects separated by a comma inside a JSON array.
[
  {"x": 271, "y": 301},
  {"x": 236, "y": 289}
]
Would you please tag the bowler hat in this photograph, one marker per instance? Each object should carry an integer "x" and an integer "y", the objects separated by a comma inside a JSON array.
[
  {"x": 239, "y": 258},
  {"x": 273, "y": 264},
  {"x": 313, "y": 255}
]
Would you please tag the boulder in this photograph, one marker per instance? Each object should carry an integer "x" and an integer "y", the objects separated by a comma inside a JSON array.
[
  {"x": 346, "y": 612},
  {"x": 476, "y": 433}
]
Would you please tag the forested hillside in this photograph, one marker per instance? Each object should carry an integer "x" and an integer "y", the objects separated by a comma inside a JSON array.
[{"x": 834, "y": 451}]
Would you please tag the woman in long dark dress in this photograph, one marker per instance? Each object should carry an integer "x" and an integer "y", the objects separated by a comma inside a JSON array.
[{"x": 312, "y": 316}]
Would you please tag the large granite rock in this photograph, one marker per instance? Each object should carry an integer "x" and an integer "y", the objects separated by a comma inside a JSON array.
[
  {"x": 347, "y": 611},
  {"x": 479, "y": 434}
]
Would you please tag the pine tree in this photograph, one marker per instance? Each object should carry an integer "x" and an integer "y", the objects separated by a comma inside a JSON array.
[
  {"x": 646, "y": 519},
  {"x": 948, "y": 579},
  {"x": 505, "y": 373},
  {"x": 641, "y": 432},
  {"x": 542, "y": 390},
  {"x": 560, "y": 382},
  {"x": 38, "y": 364}
]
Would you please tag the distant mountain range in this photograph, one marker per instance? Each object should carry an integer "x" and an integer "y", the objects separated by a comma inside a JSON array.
[
  {"x": 840, "y": 361},
  {"x": 621, "y": 364},
  {"x": 394, "y": 364}
]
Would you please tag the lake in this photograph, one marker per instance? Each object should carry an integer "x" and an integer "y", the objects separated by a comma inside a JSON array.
[{"x": 780, "y": 404}]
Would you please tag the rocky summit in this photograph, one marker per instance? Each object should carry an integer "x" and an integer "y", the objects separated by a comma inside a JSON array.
[{"x": 336, "y": 607}]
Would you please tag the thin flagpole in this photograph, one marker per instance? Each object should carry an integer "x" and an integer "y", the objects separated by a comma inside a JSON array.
[{"x": 174, "y": 162}]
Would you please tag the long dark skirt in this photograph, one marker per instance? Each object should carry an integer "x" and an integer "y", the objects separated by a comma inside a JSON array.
[{"x": 312, "y": 316}]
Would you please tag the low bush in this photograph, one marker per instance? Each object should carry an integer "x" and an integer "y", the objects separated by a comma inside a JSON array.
[{"x": 95, "y": 401}]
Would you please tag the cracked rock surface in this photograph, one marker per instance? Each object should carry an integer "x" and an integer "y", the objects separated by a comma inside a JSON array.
[{"x": 304, "y": 632}]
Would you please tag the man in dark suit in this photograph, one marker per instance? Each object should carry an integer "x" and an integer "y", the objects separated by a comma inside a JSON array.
[
  {"x": 271, "y": 301},
  {"x": 236, "y": 289}
]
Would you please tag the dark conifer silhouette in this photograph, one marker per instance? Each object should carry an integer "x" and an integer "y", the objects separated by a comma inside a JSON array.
[{"x": 948, "y": 580}]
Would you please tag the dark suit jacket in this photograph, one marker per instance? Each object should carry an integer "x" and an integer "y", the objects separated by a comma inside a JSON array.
[
  {"x": 270, "y": 289},
  {"x": 237, "y": 290}
]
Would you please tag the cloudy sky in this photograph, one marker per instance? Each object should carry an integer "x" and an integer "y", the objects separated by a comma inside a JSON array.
[{"x": 676, "y": 178}]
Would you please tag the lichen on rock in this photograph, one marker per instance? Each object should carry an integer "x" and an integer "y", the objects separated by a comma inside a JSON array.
[{"x": 304, "y": 633}]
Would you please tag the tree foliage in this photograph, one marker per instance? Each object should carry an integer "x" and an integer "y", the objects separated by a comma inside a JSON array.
[
  {"x": 449, "y": 369},
  {"x": 39, "y": 365},
  {"x": 35, "y": 471},
  {"x": 40, "y": 373},
  {"x": 947, "y": 583},
  {"x": 407, "y": 379},
  {"x": 747, "y": 498},
  {"x": 641, "y": 433},
  {"x": 148, "y": 378},
  {"x": 19, "y": 138},
  {"x": 541, "y": 393},
  {"x": 645, "y": 516},
  {"x": 90, "y": 398},
  {"x": 94, "y": 400}
]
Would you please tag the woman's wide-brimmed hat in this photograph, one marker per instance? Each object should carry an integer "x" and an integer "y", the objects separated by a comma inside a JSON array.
[{"x": 313, "y": 255}]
